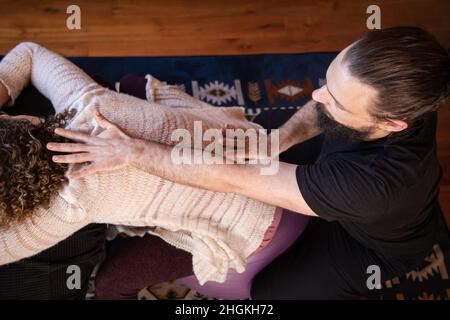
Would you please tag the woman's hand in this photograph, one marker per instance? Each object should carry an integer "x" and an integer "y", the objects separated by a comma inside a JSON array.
[{"x": 110, "y": 150}]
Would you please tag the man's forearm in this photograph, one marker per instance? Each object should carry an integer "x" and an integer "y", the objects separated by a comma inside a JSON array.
[
  {"x": 157, "y": 159},
  {"x": 280, "y": 189},
  {"x": 300, "y": 127}
]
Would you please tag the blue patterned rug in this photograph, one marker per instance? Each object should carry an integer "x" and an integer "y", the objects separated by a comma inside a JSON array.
[{"x": 271, "y": 87}]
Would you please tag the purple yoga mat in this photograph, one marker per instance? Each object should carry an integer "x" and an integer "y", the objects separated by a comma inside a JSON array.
[{"x": 238, "y": 285}]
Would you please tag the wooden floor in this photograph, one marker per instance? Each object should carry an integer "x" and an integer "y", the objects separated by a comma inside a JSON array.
[{"x": 168, "y": 27}]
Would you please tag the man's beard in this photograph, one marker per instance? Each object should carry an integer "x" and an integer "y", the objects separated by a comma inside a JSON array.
[{"x": 333, "y": 129}]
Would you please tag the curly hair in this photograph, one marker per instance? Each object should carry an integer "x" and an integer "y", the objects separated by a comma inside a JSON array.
[{"x": 28, "y": 176}]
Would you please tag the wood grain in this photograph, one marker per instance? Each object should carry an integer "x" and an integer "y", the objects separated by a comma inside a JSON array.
[{"x": 165, "y": 27}]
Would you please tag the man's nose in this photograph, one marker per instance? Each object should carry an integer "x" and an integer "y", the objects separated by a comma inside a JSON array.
[{"x": 320, "y": 96}]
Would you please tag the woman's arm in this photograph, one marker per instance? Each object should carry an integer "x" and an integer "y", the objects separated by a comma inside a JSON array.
[
  {"x": 54, "y": 76},
  {"x": 41, "y": 231}
]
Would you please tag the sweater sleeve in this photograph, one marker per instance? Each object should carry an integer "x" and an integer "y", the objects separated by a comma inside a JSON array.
[
  {"x": 44, "y": 229},
  {"x": 54, "y": 76},
  {"x": 172, "y": 96}
]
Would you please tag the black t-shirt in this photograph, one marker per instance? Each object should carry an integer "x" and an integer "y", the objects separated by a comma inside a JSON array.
[{"x": 383, "y": 192}]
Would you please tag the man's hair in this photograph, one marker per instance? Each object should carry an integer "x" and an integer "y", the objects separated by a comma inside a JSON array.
[
  {"x": 28, "y": 176},
  {"x": 407, "y": 66}
]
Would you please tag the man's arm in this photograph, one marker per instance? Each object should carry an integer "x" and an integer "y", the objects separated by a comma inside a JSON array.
[
  {"x": 280, "y": 189},
  {"x": 300, "y": 127},
  {"x": 113, "y": 149}
]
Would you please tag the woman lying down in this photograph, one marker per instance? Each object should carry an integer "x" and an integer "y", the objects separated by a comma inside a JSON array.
[{"x": 40, "y": 206}]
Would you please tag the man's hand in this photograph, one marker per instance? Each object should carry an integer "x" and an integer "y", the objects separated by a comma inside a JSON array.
[
  {"x": 300, "y": 127},
  {"x": 110, "y": 150},
  {"x": 245, "y": 148}
]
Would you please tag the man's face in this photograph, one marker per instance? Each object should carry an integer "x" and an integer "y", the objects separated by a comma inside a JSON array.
[
  {"x": 334, "y": 129},
  {"x": 344, "y": 105}
]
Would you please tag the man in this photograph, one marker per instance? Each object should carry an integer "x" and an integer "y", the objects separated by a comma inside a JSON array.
[{"x": 374, "y": 186}]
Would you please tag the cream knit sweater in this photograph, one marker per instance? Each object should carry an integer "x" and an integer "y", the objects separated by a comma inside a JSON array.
[{"x": 220, "y": 229}]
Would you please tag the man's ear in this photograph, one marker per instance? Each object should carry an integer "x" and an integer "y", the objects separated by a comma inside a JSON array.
[{"x": 393, "y": 125}]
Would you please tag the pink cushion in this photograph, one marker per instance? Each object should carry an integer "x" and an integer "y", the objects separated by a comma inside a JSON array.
[
  {"x": 284, "y": 230},
  {"x": 238, "y": 285},
  {"x": 270, "y": 233}
]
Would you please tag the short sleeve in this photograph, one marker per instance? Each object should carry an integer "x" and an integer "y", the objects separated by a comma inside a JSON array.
[{"x": 338, "y": 190}]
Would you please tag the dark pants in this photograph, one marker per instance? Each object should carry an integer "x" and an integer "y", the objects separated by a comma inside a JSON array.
[
  {"x": 325, "y": 263},
  {"x": 44, "y": 276}
]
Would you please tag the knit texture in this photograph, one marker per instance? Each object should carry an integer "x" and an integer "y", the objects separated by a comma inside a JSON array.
[{"x": 220, "y": 230}]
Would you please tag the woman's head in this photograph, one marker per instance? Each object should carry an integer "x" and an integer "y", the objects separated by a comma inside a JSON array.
[
  {"x": 385, "y": 81},
  {"x": 28, "y": 176}
]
